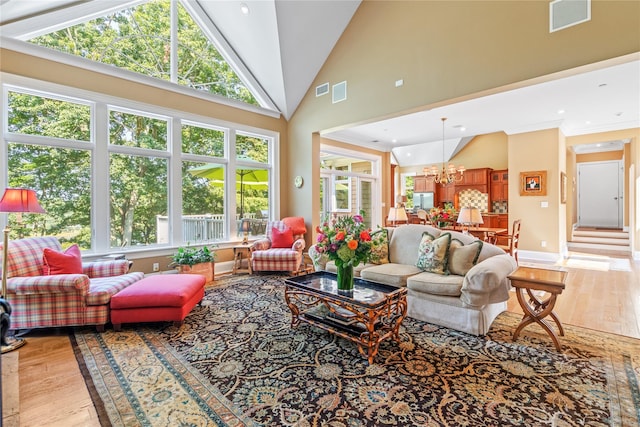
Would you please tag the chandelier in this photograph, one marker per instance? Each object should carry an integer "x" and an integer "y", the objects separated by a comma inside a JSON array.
[{"x": 449, "y": 173}]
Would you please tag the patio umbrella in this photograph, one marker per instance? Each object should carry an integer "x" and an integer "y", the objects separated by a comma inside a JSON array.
[{"x": 256, "y": 178}]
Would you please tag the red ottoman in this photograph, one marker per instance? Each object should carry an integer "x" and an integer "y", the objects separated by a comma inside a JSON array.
[{"x": 159, "y": 298}]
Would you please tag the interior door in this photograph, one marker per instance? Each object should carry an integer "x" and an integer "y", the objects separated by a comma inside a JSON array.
[{"x": 600, "y": 194}]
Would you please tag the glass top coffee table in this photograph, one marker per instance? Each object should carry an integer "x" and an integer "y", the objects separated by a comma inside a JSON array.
[{"x": 368, "y": 315}]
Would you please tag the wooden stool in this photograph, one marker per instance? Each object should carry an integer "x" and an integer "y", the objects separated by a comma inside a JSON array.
[{"x": 526, "y": 280}]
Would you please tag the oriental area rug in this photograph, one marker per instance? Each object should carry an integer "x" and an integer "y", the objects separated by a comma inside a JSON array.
[{"x": 236, "y": 361}]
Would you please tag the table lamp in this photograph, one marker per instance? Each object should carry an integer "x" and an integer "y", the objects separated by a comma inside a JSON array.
[
  {"x": 397, "y": 214},
  {"x": 18, "y": 200},
  {"x": 469, "y": 216},
  {"x": 245, "y": 227}
]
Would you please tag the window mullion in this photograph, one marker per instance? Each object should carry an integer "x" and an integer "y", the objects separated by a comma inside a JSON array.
[
  {"x": 100, "y": 181},
  {"x": 175, "y": 182}
]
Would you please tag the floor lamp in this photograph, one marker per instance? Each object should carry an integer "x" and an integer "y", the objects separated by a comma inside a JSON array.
[{"x": 18, "y": 200}]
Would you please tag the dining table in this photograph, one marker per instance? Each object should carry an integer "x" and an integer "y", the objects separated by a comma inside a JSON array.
[{"x": 481, "y": 233}]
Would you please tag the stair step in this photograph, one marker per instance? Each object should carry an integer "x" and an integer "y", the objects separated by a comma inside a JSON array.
[
  {"x": 597, "y": 246},
  {"x": 602, "y": 240},
  {"x": 595, "y": 233}
]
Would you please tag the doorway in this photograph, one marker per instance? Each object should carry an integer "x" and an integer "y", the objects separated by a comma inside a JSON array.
[{"x": 600, "y": 194}]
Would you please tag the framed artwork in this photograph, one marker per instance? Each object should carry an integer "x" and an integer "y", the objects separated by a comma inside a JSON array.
[
  {"x": 563, "y": 187},
  {"x": 533, "y": 183}
]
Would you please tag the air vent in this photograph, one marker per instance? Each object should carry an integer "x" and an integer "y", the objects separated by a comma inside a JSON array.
[
  {"x": 323, "y": 89},
  {"x": 567, "y": 13},
  {"x": 339, "y": 92}
]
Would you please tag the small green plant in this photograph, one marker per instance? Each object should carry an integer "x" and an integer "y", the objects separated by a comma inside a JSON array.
[{"x": 191, "y": 256}]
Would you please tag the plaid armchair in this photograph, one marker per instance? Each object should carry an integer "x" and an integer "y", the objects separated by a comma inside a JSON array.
[
  {"x": 266, "y": 258},
  {"x": 40, "y": 301}
]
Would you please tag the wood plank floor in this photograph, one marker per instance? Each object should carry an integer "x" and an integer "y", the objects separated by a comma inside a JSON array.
[{"x": 53, "y": 393}]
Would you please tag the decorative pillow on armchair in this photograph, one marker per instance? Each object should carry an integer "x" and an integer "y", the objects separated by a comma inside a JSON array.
[
  {"x": 67, "y": 262},
  {"x": 433, "y": 252},
  {"x": 380, "y": 246},
  {"x": 281, "y": 239},
  {"x": 461, "y": 257}
]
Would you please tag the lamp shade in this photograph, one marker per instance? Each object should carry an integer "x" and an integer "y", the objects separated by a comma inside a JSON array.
[
  {"x": 245, "y": 226},
  {"x": 470, "y": 216},
  {"x": 20, "y": 200},
  {"x": 397, "y": 214}
]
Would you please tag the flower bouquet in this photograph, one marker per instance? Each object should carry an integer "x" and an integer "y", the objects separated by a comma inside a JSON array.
[
  {"x": 441, "y": 217},
  {"x": 347, "y": 241}
]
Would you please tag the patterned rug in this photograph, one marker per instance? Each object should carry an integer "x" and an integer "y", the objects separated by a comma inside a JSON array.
[{"x": 236, "y": 361}]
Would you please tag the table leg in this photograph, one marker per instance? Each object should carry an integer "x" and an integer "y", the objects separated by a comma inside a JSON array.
[
  {"x": 535, "y": 311},
  {"x": 541, "y": 305}
]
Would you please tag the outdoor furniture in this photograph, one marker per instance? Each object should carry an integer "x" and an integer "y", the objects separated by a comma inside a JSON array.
[
  {"x": 268, "y": 256},
  {"x": 158, "y": 298},
  {"x": 42, "y": 301}
]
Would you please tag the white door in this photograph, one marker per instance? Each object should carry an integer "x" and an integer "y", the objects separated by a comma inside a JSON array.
[{"x": 600, "y": 192}]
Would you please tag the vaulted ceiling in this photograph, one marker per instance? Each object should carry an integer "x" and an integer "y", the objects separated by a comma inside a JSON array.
[{"x": 279, "y": 46}]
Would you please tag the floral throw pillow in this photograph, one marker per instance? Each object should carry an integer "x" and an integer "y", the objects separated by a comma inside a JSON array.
[
  {"x": 461, "y": 257},
  {"x": 380, "y": 247},
  {"x": 433, "y": 252}
]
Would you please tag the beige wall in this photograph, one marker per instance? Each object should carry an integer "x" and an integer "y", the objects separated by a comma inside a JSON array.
[
  {"x": 450, "y": 51},
  {"x": 537, "y": 151}
]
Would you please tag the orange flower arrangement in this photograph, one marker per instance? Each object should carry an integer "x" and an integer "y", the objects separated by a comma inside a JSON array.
[{"x": 345, "y": 240}]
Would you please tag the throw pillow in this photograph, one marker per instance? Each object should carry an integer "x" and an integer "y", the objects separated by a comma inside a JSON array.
[
  {"x": 380, "y": 246},
  {"x": 67, "y": 262},
  {"x": 296, "y": 224},
  {"x": 461, "y": 257},
  {"x": 432, "y": 253},
  {"x": 281, "y": 239}
]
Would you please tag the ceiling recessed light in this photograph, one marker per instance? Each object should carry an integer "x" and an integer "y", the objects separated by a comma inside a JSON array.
[
  {"x": 560, "y": 111},
  {"x": 244, "y": 8},
  {"x": 588, "y": 122},
  {"x": 394, "y": 140}
]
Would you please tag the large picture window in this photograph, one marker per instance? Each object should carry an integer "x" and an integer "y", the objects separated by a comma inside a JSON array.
[{"x": 111, "y": 176}]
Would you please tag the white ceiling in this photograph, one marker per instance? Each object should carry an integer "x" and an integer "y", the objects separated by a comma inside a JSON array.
[{"x": 281, "y": 45}]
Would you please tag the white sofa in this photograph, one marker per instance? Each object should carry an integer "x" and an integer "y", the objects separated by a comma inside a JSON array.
[{"x": 467, "y": 303}]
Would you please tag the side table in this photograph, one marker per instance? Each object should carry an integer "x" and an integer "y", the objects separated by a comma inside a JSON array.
[
  {"x": 239, "y": 252},
  {"x": 526, "y": 280}
]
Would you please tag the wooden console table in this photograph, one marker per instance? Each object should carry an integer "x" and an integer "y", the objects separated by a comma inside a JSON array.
[
  {"x": 368, "y": 315},
  {"x": 526, "y": 280}
]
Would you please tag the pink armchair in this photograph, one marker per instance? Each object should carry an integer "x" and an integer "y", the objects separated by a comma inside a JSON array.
[
  {"x": 41, "y": 301},
  {"x": 266, "y": 257}
]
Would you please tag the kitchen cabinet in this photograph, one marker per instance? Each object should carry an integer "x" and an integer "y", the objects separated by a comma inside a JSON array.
[
  {"x": 475, "y": 179},
  {"x": 502, "y": 221},
  {"x": 500, "y": 185},
  {"x": 423, "y": 185},
  {"x": 445, "y": 194}
]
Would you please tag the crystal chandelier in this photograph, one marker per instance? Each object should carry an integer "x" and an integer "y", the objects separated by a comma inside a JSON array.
[{"x": 449, "y": 173}]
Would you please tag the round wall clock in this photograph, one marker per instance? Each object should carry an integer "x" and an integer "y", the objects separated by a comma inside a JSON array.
[{"x": 298, "y": 181}]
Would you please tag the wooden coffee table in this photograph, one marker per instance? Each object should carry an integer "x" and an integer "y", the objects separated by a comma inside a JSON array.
[
  {"x": 526, "y": 280},
  {"x": 368, "y": 315}
]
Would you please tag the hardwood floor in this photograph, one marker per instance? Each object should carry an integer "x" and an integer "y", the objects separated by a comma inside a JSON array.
[{"x": 53, "y": 393}]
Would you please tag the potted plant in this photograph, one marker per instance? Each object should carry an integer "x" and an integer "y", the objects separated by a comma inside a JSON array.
[{"x": 193, "y": 260}]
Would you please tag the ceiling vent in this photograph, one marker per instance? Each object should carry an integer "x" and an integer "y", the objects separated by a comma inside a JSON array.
[
  {"x": 567, "y": 13},
  {"x": 339, "y": 92}
]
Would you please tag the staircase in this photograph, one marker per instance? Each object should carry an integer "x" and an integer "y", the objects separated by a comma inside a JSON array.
[{"x": 600, "y": 239}]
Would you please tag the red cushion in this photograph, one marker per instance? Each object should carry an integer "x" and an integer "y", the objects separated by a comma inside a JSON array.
[
  {"x": 162, "y": 290},
  {"x": 296, "y": 224},
  {"x": 67, "y": 262},
  {"x": 281, "y": 239}
]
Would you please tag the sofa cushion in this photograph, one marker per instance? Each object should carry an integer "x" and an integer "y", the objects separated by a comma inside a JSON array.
[
  {"x": 296, "y": 224},
  {"x": 102, "y": 288},
  {"x": 380, "y": 246},
  {"x": 433, "y": 252},
  {"x": 281, "y": 239},
  {"x": 330, "y": 266},
  {"x": 462, "y": 257},
  {"x": 436, "y": 284},
  {"x": 390, "y": 274},
  {"x": 67, "y": 262}
]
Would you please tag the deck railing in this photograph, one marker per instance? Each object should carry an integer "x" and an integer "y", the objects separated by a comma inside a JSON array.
[{"x": 205, "y": 228}]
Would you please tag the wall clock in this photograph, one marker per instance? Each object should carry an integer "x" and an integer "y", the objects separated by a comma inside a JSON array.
[{"x": 298, "y": 181}]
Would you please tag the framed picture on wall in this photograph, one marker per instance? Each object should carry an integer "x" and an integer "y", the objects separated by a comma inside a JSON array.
[
  {"x": 563, "y": 187},
  {"x": 533, "y": 183}
]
